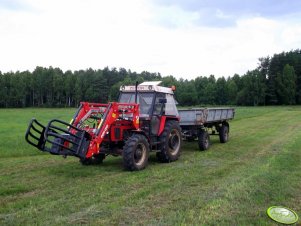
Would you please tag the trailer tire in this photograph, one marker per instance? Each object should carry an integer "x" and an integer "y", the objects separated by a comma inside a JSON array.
[
  {"x": 224, "y": 133},
  {"x": 135, "y": 152},
  {"x": 203, "y": 140},
  {"x": 171, "y": 141}
]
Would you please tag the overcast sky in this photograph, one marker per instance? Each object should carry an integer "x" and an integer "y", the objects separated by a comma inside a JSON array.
[{"x": 184, "y": 38}]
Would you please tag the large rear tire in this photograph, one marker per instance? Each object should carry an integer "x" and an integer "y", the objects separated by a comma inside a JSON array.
[
  {"x": 135, "y": 153},
  {"x": 171, "y": 141},
  {"x": 224, "y": 133},
  {"x": 203, "y": 140}
]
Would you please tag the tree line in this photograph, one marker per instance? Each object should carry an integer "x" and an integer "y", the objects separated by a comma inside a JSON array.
[{"x": 276, "y": 81}]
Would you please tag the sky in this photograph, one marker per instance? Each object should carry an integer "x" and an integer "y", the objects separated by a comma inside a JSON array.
[{"x": 183, "y": 38}]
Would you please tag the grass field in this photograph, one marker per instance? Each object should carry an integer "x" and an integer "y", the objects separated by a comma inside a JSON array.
[{"x": 230, "y": 184}]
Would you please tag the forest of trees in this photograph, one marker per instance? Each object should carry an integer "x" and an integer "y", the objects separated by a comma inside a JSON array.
[{"x": 276, "y": 81}]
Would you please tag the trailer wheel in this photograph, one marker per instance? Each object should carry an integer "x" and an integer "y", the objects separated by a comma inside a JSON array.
[
  {"x": 171, "y": 141},
  {"x": 203, "y": 140},
  {"x": 135, "y": 152},
  {"x": 224, "y": 133}
]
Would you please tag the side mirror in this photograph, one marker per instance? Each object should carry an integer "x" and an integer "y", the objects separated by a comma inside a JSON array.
[{"x": 163, "y": 101}]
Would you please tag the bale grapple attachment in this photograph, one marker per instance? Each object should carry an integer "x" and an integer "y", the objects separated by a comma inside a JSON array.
[{"x": 56, "y": 139}]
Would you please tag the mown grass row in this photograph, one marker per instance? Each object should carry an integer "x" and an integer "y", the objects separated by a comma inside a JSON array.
[{"x": 230, "y": 184}]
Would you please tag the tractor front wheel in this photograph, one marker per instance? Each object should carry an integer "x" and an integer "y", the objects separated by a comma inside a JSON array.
[
  {"x": 96, "y": 159},
  {"x": 171, "y": 141},
  {"x": 135, "y": 152}
]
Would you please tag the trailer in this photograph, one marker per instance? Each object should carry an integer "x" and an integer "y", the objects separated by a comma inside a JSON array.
[{"x": 200, "y": 123}]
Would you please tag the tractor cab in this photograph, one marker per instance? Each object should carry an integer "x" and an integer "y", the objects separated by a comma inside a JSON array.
[
  {"x": 156, "y": 105},
  {"x": 152, "y": 99}
]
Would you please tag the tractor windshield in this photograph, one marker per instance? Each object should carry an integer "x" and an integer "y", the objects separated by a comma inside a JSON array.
[{"x": 144, "y": 100}]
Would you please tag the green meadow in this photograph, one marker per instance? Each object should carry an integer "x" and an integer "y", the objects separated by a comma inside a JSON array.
[{"x": 229, "y": 184}]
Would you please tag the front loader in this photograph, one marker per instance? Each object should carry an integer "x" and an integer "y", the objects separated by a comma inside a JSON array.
[{"x": 145, "y": 119}]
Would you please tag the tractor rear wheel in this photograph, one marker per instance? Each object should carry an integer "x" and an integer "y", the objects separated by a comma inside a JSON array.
[
  {"x": 171, "y": 141},
  {"x": 203, "y": 140},
  {"x": 135, "y": 152},
  {"x": 224, "y": 133}
]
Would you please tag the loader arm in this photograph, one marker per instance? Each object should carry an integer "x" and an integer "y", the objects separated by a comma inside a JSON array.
[
  {"x": 115, "y": 112},
  {"x": 83, "y": 136}
]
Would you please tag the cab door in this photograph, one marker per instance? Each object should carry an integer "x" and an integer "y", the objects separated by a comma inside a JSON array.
[{"x": 158, "y": 111}]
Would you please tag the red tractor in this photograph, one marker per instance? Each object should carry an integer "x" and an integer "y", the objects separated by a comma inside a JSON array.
[{"x": 145, "y": 119}]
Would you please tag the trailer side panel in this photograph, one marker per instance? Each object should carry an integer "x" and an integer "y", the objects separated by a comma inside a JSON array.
[{"x": 201, "y": 116}]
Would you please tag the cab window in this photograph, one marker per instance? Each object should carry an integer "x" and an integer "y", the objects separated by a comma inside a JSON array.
[
  {"x": 158, "y": 106},
  {"x": 170, "y": 106},
  {"x": 144, "y": 100}
]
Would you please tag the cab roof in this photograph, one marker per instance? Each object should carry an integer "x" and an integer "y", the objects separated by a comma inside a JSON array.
[{"x": 152, "y": 86}]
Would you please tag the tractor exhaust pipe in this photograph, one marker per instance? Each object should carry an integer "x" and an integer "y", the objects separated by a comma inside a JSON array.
[{"x": 136, "y": 92}]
